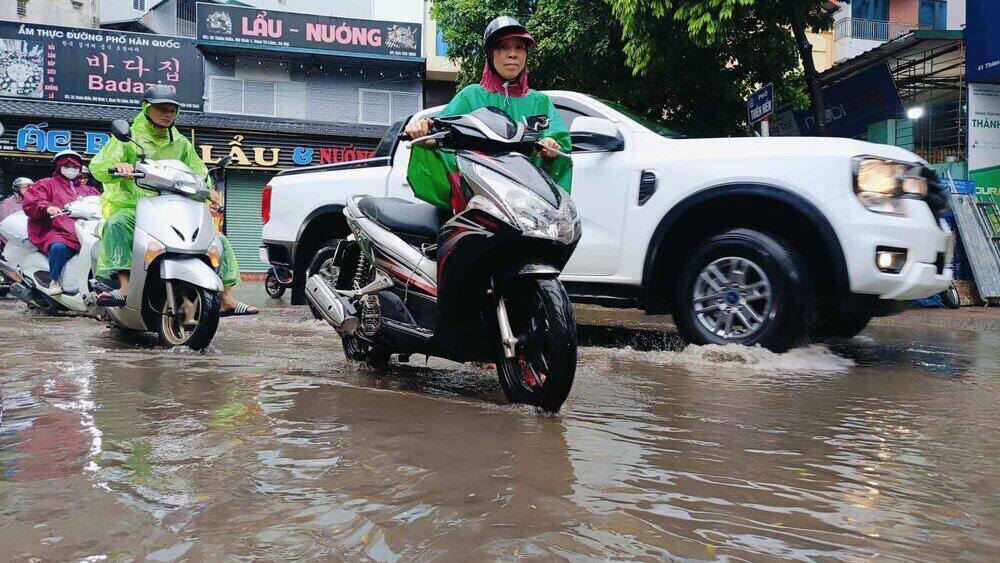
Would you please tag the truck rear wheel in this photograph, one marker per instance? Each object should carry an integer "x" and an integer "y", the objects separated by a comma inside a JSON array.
[{"x": 743, "y": 287}]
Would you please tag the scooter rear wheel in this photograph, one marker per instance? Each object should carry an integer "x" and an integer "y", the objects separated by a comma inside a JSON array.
[
  {"x": 197, "y": 319},
  {"x": 541, "y": 317}
]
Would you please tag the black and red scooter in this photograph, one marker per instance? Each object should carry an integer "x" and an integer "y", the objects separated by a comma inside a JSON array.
[{"x": 479, "y": 286}]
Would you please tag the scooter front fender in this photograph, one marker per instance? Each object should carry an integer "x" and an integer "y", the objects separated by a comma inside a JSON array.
[{"x": 191, "y": 270}]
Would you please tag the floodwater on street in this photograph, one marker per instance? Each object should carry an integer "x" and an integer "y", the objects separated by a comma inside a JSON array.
[{"x": 272, "y": 446}]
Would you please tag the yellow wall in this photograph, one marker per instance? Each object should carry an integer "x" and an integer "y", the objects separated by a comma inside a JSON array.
[{"x": 822, "y": 49}]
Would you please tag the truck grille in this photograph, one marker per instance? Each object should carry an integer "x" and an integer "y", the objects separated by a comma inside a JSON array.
[{"x": 937, "y": 198}]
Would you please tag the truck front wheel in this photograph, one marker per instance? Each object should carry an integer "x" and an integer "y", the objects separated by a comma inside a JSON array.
[{"x": 743, "y": 287}]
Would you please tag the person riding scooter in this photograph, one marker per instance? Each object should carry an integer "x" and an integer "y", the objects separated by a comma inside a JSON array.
[
  {"x": 49, "y": 229},
  {"x": 153, "y": 130},
  {"x": 15, "y": 202},
  {"x": 504, "y": 85}
]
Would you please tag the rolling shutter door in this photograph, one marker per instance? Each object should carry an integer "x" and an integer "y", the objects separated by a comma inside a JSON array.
[{"x": 243, "y": 225}]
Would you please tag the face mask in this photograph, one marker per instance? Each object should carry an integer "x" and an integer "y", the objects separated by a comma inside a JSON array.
[{"x": 69, "y": 173}]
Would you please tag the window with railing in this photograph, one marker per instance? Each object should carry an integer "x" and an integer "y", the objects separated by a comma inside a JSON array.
[
  {"x": 22, "y": 8},
  {"x": 139, "y": 5},
  {"x": 872, "y": 30},
  {"x": 934, "y": 14}
]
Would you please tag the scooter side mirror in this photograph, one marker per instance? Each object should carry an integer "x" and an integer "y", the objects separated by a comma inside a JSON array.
[{"x": 121, "y": 130}]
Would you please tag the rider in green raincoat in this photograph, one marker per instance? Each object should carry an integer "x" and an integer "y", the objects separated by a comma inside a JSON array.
[
  {"x": 505, "y": 86},
  {"x": 153, "y": 130}
]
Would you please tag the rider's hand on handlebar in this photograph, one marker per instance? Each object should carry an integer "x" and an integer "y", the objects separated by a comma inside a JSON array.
[
  {"x": 419, "y": 128},
  {"x": 549, "y": 143},
  {"x": 125, "y": 169},
  {"x": 53, "y": 211}
]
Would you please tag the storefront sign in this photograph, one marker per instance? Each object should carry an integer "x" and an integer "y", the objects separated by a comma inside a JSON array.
[
  {"x": 852, "y": 105},
  {"x": 260, "y": 29},
  {"x": 45, "y": 62},
  {"x": 42, "y": 139},
  {"x": 254, "y": 151},
  {"x": 982, "y": 41},
  {"x": 984, "y": 139},
  {"x": 249, "y": 152}
]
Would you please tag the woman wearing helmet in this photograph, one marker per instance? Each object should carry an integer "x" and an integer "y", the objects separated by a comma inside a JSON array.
[
  {"x": 504, "y": 85},
  {"x": 53, "y": 233},
  {"x": 153, "y": 129},
  {"x": 14, "y": 203}
]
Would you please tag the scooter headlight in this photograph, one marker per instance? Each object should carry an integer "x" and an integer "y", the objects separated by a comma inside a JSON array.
[
  {"x": 533, "y": 215},
  {"x": 215, "y": 253}
]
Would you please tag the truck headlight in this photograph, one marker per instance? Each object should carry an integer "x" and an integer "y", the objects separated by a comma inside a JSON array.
[{"x": 880, "y": 184}]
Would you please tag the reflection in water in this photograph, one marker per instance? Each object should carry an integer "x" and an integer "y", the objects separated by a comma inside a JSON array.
[{"x": 272, "y": 446}]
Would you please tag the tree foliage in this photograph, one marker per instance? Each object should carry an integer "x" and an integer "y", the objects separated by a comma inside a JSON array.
[{"x": 692, "y": 62}]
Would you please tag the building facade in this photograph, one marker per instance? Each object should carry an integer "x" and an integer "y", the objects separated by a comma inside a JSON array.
[
  {"x": 71, "y": 13},
  {"x": 863, "y": 25},
  {"x": 274, "y": 84}
]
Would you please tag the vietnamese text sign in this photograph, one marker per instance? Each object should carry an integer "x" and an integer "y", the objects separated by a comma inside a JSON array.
[
  {"x": 760, "y": 104},
  {"x": 984, "y": 138},
  {"x": 64, "y": 64},
  {"x": 260, "y": 29},
  {"x": 982, "y": 41}
]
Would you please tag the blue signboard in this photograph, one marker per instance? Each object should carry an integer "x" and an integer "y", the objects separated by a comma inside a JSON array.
[
  {"x": 853, "y": 104},
  {"x": 982, "y": 42},
  {"x": 760, "y": 104}
]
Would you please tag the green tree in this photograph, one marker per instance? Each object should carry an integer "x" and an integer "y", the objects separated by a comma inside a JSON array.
[{"x": 692, "y": 62}]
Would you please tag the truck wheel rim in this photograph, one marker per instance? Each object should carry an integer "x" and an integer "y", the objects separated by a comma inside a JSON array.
[{"x": 733, "y": 298}]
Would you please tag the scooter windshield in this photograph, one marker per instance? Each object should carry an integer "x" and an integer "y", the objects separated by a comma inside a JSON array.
[{"x": 497, "y": 120}]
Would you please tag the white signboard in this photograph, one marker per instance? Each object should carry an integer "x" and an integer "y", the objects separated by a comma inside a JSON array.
[{"x": 984, "y": 137}]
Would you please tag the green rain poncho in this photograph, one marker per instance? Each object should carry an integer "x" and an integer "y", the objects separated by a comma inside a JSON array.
[
  {"x": 121, "y": 195},
  {"x": 428, "y": 170}
]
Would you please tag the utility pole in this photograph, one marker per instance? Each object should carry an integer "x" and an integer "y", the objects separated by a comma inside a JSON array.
[{"x": 812, "y": 77}]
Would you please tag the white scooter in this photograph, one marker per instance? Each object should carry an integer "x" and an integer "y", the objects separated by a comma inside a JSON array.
[
  {"x": 174, "y": 288},
  {"x": 29, "y": 269}
]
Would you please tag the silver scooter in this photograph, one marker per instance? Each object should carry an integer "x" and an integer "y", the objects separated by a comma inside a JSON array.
[
  {"x": 28, "y": 268},
  {"x": 174, "y": 286}
]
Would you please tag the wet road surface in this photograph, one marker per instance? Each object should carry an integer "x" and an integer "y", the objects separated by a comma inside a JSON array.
[{"x": 272, "y": 446}]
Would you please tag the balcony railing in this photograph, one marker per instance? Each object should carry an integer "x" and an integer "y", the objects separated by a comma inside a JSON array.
[{"x": 872, "y": 30}]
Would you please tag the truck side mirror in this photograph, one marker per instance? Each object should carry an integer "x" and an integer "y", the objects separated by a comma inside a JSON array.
[
  {"x": 121, "y": 130},
  {"x": 594, "y": 134}
]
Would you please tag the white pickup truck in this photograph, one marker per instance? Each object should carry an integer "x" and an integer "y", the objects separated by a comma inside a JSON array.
[{"x": 756, "y": 241}]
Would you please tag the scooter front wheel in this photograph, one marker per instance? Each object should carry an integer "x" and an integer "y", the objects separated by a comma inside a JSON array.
[
  {"x": 192, "y": 320},
  {"x": 542, "y": 370}
]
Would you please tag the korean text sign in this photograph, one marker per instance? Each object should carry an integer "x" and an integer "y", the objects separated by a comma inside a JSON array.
[
  {"x": 262, "y": 29},
  {"x": 63, "y": 64}
]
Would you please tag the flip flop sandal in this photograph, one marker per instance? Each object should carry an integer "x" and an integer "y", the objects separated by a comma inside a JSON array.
[
  {"x": 241, "y": 310},
  {"x": 116, "y": 299}
]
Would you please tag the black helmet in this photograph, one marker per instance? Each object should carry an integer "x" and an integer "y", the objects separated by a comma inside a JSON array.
[
  {"x": 161, "y": 94},
  {"x": 505, "y": 26}
]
